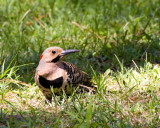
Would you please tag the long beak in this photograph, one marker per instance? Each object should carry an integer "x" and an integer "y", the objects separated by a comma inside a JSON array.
[{"x": 66, "y": 52}]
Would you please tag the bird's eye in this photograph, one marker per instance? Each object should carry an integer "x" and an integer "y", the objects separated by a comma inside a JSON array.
[{"x": 53, "y": 52}]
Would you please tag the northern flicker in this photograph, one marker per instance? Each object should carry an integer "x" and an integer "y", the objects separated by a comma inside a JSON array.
[{"x": 53, "y": 73}]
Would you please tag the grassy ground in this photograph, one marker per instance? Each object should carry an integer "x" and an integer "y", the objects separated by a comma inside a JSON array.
[{"x": 120, "y": 49}]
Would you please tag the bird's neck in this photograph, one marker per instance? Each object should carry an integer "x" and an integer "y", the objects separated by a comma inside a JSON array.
[{"x": 46, "y": 69}]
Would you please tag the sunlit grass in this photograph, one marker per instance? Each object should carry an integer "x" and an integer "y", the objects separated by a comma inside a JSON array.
[{"x": 122, "y": 100}]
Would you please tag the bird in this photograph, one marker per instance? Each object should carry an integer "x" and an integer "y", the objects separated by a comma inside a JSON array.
[{"x": 53, "y": 75}]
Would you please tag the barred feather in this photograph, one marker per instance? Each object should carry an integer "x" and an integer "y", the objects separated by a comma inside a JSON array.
[{"x": 76, "y": 76}]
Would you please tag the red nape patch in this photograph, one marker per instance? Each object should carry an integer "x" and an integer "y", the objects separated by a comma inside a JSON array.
[{"x": 40, "y": 57}]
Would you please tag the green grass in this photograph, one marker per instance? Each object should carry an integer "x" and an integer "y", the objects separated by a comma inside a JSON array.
[{"x": 119, "y": 43}]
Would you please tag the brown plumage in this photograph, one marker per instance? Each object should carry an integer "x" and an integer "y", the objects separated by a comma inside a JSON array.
[{"x": 59, "y": 75}]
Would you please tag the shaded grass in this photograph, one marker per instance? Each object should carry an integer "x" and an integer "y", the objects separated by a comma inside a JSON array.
[
  {"x": 130, "y": 30},
  {"x": 119, "y": 42}
]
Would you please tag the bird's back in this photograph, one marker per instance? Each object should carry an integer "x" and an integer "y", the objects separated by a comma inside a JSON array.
[{"x": 76, "y": 76}]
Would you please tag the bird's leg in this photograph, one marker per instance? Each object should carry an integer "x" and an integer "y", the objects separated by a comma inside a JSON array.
[
  {"x": 84, "y": 88},
  {"x": 48, "y": 99}
]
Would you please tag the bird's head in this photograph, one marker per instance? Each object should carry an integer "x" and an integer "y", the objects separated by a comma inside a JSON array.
[{"x": 54, "y": 54}]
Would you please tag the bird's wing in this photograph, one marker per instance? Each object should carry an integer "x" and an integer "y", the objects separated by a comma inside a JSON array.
[{"x": 75, "y": 75}]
